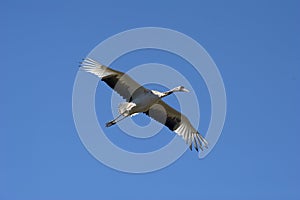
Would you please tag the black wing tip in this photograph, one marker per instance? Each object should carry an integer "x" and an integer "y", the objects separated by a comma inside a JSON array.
[
  {"x": 80, "y": 63},
  {"x": 199, "y": 143},
  {"x": 195, "y": 147},
  {"x": 88, "y": 61}
]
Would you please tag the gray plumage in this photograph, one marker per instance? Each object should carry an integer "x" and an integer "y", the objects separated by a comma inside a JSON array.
[{"x": 142, "y": 100}]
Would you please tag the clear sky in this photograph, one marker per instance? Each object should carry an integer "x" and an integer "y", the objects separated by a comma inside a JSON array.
[{"x": 255, "y": 45}]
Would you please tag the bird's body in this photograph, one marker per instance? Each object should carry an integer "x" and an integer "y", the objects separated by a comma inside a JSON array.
[
  {"x": 140, "y": 104},
  {"x": 143, "y": 100}
]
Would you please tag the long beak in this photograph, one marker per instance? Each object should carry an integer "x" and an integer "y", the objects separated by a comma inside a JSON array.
[{"x": 185, "y": 90}]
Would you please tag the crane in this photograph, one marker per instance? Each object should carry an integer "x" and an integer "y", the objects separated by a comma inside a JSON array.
[{"x": 142, "y": 100}]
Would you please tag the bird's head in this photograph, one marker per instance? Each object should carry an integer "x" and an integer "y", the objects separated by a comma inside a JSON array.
[{"x": 180, "y": 89}]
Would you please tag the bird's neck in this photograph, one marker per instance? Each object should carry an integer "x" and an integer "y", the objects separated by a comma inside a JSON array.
[
  {"x": 162, "y": 94},
  {"x": 167, "y": 93}
]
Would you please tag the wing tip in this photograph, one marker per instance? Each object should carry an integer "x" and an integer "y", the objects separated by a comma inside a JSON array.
[
  {"x": 198, "y": 142},
  {"x": 92, "y": 66},
  {"x": 90, "y": 63}
]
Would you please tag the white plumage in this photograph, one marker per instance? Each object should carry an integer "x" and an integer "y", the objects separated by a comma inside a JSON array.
[{"x": 142, "y": 100}]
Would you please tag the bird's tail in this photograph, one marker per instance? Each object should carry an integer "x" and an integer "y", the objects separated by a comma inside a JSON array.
[{"x": 125, "y": 108}]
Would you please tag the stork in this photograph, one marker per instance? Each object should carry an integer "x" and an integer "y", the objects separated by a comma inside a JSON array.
[{"x": 142, "y": 100}]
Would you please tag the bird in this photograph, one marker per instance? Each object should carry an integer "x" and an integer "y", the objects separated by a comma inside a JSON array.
[{"x": 142, "y": 100}]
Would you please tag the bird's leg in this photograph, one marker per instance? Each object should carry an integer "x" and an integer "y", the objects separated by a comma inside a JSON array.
[
  {"x": 114, "y": 121},
  {"x": 110, "y": 123}
]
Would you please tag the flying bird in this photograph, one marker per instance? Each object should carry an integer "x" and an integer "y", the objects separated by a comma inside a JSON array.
[{"x": 142, "y": 100}]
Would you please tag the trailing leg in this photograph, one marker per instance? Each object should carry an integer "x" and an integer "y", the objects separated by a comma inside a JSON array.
[{"x": 112, "y": 122}]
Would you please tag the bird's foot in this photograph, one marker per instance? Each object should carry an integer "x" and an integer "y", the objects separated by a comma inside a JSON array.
[{"x": 108, "y": 124}]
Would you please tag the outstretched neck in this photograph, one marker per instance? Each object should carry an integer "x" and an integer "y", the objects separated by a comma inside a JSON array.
[
  {"x": 176, "y": 89},
  {"x": 167, "y": 93}
]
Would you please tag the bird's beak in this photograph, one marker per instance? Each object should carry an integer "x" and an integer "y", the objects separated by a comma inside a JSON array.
[{"x": 185, "y": 90}]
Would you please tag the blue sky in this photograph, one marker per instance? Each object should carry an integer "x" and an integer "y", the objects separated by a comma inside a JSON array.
[{"x": 255, "y": 45}]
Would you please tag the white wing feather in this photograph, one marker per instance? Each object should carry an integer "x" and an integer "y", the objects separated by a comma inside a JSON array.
[
  {"x": 178, "y": 123},
  {"x": 118, "y": 81}
]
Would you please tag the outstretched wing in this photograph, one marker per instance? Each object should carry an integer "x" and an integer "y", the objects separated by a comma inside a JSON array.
[
  {"x": 118, "y": 81},
  {"x": 178, "y": 123}
]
